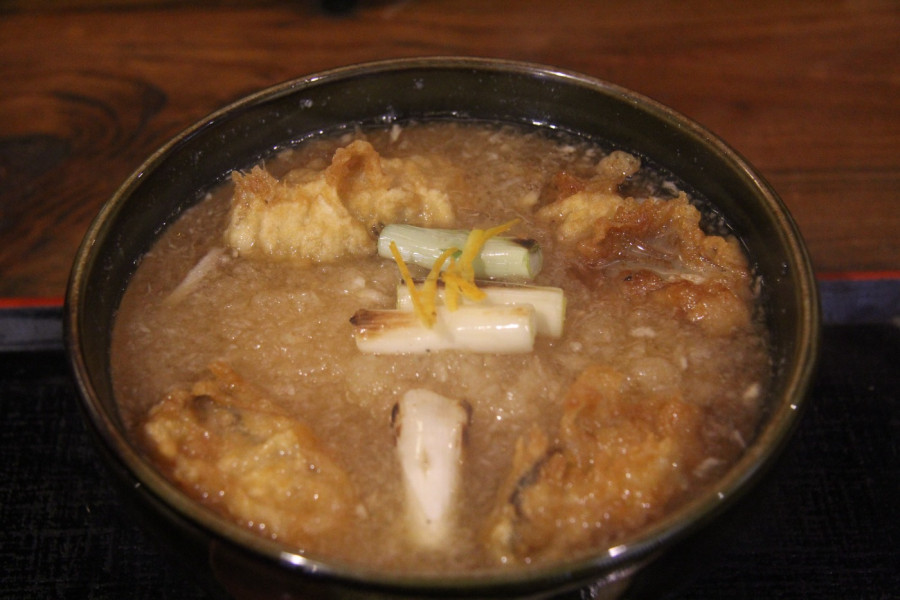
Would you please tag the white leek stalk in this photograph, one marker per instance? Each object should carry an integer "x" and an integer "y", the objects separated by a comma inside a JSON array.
[
  {"x": 549, "y": 303},
  {"x": 500, "y": 258},
  {"x": 430, "y": 433},
  {"x": 481, "y": 329},
  {"x": 191, "y": 281}
]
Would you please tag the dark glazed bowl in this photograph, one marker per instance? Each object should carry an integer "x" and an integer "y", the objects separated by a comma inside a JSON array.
[{"x": 236, "y": 562}]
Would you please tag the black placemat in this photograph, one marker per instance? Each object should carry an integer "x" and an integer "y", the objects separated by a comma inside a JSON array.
[{"x": 822, "y": 525}]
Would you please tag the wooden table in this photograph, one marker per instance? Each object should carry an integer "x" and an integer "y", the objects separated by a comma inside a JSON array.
[{"x": 807, "y": 91}]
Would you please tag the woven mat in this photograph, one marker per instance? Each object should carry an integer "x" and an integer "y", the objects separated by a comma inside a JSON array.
[{"x": 822, "y": 525}]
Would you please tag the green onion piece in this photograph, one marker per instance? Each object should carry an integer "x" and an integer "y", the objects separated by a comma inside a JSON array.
[
  {"x": 479, "y": 329},
  {"x": 501, "y": 257},
  {"x": 549, "y": 303}
]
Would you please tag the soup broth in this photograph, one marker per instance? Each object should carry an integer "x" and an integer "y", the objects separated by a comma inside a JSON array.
[{"x": 236, "y": 363}]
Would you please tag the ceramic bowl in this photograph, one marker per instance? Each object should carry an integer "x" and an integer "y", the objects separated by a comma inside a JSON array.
[{"x": 234, "y": 562}]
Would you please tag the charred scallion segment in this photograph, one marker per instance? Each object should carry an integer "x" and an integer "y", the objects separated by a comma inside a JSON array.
[
  {"x": 423, "y": 322},
  {"x": 430, "y": 435},
  {"x": 549, "y": 303},
  {"x": 480, "y": 329},
  {"x": 495, "y": 257}
]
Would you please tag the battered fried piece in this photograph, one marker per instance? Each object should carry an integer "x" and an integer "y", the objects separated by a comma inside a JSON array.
[
  {"x": 703, "y": 278},
  {"x": 323, "y": 215},
  {"x": 621, "y": 457},
  {"x": 233, "y": 449},
  {"x": 665, "y": 234},
  {"x": 655, "y": 246},
  {"x": 573, "y": 205},
  {"x": 378, "y": 190},
  {"x": 715, "y": 306}
]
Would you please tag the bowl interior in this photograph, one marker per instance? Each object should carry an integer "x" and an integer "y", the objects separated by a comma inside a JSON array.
[{"x": 239, "y": 135}]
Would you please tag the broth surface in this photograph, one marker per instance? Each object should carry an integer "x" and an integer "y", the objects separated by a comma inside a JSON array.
[{"x": 654, "y": 388}]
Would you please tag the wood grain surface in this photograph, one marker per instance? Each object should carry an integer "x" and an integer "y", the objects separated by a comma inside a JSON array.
[{"x": 806, "y": 90}]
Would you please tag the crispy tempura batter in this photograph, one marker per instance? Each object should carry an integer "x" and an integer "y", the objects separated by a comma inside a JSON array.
[
  {"x": 378, "y": 190},
  {"x": 620, "y": 457},
  {"x": 703, "y": 278},
  {"x": 322, "y": 215},
  {"x": 228, "y": 445},
  {"x": 576, "y": 204},
  {"x": 657, "y": 246}
]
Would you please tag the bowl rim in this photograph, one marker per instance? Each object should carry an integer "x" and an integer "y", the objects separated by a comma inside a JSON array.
[{"x": 676, "y": 525}]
